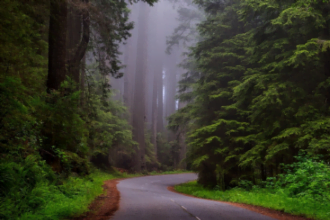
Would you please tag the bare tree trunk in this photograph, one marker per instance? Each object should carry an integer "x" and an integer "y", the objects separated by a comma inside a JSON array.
[
  {"x": 57, "y": 44},
  {"x": 73, "y": 37},
  {"x": 139, "y": 94},
  {"x": 160, "y": 94},
  {"x": 78, "y": 44},
  {"x": 130, "y": 62},
  {"x": 129, "y": 78},
  {"x": 82, "y": 81},
  {"x": 171, "y": 82},
  {"x": 154, "y": 112},
  {"x": 181, "y": 141}
]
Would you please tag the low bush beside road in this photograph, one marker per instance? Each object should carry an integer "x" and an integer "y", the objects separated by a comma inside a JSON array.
[
  {"x": 32, "y": 192},
  {"x": 303, "y": 189}
]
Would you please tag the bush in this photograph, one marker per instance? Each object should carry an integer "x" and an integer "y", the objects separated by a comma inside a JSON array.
[
  {"x": 31, "y": 190},
  {"x": 308, "y": 177}
]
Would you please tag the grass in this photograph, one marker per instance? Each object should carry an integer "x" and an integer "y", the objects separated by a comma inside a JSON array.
[
  {"x": 64, "y": 201},
  {"x": 52, "y": 202},
  {"x": 71, "y": 199},
  {"x": 278, "y": 200},
  {"x": 34, "y": 192}
]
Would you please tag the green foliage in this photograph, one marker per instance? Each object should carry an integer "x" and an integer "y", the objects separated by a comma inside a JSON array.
[
  {"x": 31, "y": 190},
  {"x": 258, "y": 87},
  {"x": 164, "y": 153},
  {"x": 304, "y": 206},
  {"x": 150, "y": 155},
  {"x": 47, "y": 137},
  {"x": 308, "y": 179}
]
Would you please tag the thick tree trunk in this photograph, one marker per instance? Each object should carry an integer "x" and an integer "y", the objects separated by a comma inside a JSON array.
[
  {"x": 73, "y": 38},
  {"x": 130, "y": 62},
  {"x": 129, "y": 79},
  {"x": 80, "y": 23},
  {"x": 171, "y": 82},
  {"x": 158, "y": 52},
  {"x": 57, "y": 44},
  {"x": 139, "y": 94}
]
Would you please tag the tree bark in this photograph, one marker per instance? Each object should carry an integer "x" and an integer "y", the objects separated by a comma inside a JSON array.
[
  {"x": 154, "y": 111},
  {"x": 181, "y": 141},
  {"x": 73, "y": 37},
  {"x": 160, "y": 94},
  {"x": 80, "y": 46},
  {"x": 139, "y": 94},
  {"x": 130, "y": 62},
  {"x": 57, "y": 44}
]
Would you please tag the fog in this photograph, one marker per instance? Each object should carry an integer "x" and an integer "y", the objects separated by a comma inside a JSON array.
[{"x": 150, "y": 58}]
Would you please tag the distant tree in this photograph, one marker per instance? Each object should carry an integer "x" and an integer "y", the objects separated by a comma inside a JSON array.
[{"x": 139, "y": 113}]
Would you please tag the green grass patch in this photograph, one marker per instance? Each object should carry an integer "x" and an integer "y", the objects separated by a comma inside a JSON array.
[
  {"x": 278, "y": 200},
  {"x": 32, "y": 191},
  {"x": 74, "y": 196},
  {"x": 54, "y": 202}
]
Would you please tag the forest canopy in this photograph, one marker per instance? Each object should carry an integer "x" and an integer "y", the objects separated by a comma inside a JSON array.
[{"x": 261, "y": 95}]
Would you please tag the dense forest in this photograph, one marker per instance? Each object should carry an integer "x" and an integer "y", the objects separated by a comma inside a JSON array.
[
  {"x": 257, "y": 88},
  {"x": 80, "y": 90},
  {"x": 231, "y": 89},
  {"x": 81, "y": 85}
]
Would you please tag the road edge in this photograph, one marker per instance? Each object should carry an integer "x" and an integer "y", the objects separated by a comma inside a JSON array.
[
  {"x": 279, "y": 215},
  {"x": 105, "y": 205}
]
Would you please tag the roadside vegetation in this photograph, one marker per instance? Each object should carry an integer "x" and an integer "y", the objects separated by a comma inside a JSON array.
[
  {"x": 302, "y": 190},
  {"x": 60, "y": 124},
  {"x": 31, "y": 190}
]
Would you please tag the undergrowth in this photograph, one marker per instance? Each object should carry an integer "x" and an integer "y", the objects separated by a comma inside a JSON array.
[
  {"x": 302, "y": 190},
  {"x": 32, "y": 191}
]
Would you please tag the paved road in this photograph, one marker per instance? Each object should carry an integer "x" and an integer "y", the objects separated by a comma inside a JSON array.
[{"x": 147, "y": 198}]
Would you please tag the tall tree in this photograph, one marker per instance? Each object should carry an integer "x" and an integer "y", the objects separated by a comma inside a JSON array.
[
  {"x": 57, "y": 44},
  {"x": 139, "y": 113}
]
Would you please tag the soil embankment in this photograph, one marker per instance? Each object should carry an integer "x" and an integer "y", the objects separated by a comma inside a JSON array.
[{"x": 105, "y": 205}]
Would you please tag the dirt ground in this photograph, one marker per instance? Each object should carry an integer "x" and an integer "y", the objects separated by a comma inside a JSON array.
[{"x": 104, "y": 206}]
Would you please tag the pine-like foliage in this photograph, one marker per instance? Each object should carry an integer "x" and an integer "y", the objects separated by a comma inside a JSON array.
[{"x": 262, "y": 94}]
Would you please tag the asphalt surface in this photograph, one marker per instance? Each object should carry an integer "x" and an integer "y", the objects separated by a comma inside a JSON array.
[{"x": 145, "y": 198}]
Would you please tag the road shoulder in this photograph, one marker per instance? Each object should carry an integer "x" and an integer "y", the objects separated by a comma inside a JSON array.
[
  {"x": 262, "y": 210},
  {"x": 105, "y": 205}
]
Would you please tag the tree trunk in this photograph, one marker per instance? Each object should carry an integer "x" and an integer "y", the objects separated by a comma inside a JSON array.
[
  {"x": 181, "y": 142},
  {"x": 154, "y": 111},
  {"x": 160, "y": 94},
  {"x": 171, "y": 82},
  {"x": 139, "y": 94},
  {"x": 73, "y": 38},
  {"x": 130, "y": 62},
  {"x": 80, "y": 22},
  {"x": 57, "y": 44}
]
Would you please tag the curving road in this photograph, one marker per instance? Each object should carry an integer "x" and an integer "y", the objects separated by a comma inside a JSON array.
[{"x": 147, "y": 198}]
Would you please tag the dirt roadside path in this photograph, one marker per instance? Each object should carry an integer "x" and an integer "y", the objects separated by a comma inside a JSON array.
[{"x": 105, "y": 205}]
